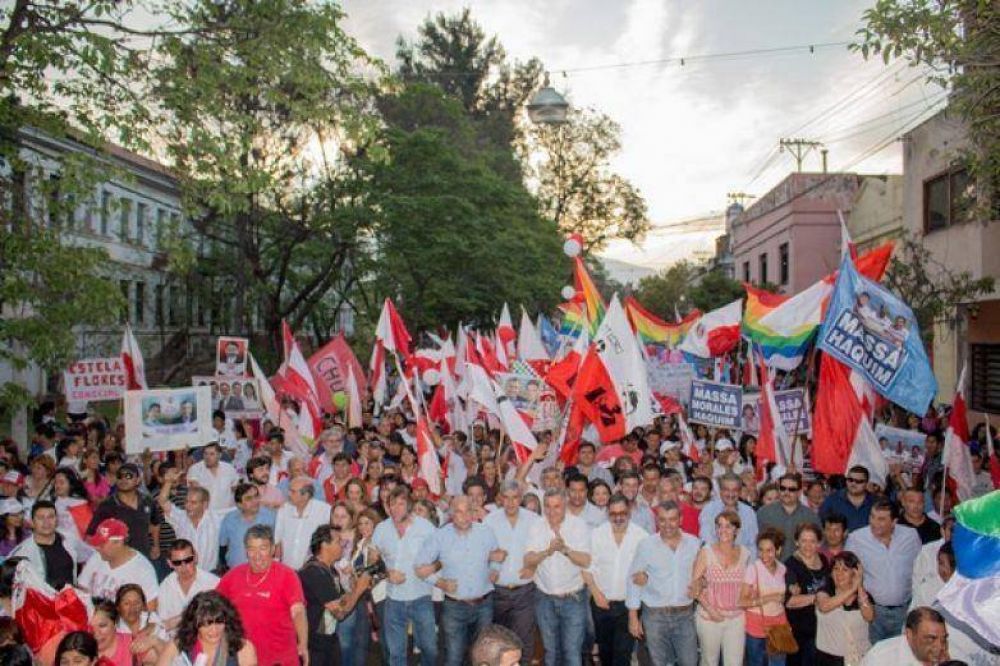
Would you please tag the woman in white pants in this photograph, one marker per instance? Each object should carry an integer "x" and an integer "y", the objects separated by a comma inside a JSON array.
[{"x": 718, "y": 573}]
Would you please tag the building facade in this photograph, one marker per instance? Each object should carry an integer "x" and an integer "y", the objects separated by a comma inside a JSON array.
[
  {"x": 936, "y": 195},
  {"x": 877, "y": 213},
  {"x": 790, "y": 237}
]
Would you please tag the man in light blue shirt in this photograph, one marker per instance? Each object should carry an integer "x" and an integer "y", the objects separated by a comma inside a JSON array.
[
  {"x": 400, "y": 542},
  {"x": 514, "y": 595},
  {"x": 234, "y": 526},
  {"x": 466, "y": 551},
  {"x": 658, "y": 583},
  {"x": 729, "y": 498},
  {"x": 888, "y": 552}
]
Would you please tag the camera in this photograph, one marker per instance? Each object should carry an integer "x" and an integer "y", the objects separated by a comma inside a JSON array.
[{"x": 376, "y": 570}]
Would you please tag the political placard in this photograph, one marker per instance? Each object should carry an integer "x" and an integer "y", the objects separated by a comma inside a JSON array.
[
  {"x": 793, "y": 406},
  {"x": 238, "y": 397},
  {"x": 95, "y": 379},
  {"x": 168, "y": 419},
  {"x": 906, "y": 447},
  {"x": 715, "y": 404},
  {"x": 871, "y": 330},
  {"x": 231, "y": 356},
  {"x": 670, "y": 377}
]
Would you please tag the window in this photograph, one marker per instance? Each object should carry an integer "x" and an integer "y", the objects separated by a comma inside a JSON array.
[
  {"x": 140, "y": 223},
  {"x": 984, "y": 384},
  {"x": 123, "y": 316},
  {"x": 161, "y": 223},
  {"x": 124, "y": 222},
  {"x": 173, "y": 314},
  {"x": 746, "y": 271},
  {"x": 105, "y": 212},
  {"x": 159, "y": 304},
  {"x": 783, "y": 263},
  {"x": 140, "y": 302},
  {"x": 762, "y": 278},
  {"x": 947, "y": 199},
  {"x": 55, "y": 201}
]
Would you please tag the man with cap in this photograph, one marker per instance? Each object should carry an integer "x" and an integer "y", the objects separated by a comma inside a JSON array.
[
  {"x": 670, "y": 451},
  {"x": 726, "y": 459},
  {"x": 135, "y": 509},
  {"x": 118, "y": 563}
]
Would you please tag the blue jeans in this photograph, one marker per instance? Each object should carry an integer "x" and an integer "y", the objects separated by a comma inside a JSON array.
[
  {"x": 400, "y": 613},
  {"x": 670, "y": 637},
  {"x": 349, "y": 634},
  {"x": 888, "y": 622},
  {"x": 757, "y": 653},
  {"x": 562, "y": 622},
  {"x": 461, "y": 622}
]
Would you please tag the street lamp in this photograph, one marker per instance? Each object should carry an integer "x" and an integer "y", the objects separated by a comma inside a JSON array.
[{"x": 548, "y": 107}]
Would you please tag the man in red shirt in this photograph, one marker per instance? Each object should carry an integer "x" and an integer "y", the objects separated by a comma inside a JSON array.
[
  {"x": 701, "y": 493},
  {"x": 269, "y": 597}
]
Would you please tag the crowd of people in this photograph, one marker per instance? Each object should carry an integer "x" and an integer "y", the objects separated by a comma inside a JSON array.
[{"x": 647, "y": 550}]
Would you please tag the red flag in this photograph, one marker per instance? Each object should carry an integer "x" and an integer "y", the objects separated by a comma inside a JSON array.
[
  {"x": 595, "y": 394},
  {"x": 42, "y": 613},
  {"x": 427, "y": 457},
  {"x": 956, "y": 457},
  {"x": 135, "y": 370},
  {"x": 392, "y": 331},
  {"x": 437, "y": 410},
  {"x": 329, "y": 365},
  {"x": 573, "y": 435},
  {"x": 506, "y": 334}
]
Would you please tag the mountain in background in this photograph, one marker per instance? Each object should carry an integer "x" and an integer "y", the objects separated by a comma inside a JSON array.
[{"x": 666, "y": 244}]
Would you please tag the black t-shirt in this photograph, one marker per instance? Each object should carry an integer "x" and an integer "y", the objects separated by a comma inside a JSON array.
[
  {"x": 58, "y": 564},
  {"x": 803, "y": 620},
  {"x": 928, "y": 530},
  {"x": 138, "y": 519},
  {"x": 320, "y": 586}
]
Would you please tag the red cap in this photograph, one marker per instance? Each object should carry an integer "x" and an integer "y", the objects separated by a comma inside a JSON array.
[
  {"x": 419, "y": 483},
  {"x": 108, "y": 530}
]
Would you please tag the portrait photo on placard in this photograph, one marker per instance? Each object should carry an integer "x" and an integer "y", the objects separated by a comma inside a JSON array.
[{"x": 231, "y": 357}]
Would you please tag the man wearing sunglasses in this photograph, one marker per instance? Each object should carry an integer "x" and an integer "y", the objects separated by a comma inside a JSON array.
[
  {"x": 787, "y": 513},
  {"x": 854, "y": 502},
  {"x": 134, "y": 508},
  {"x": 186, "y": 580}
]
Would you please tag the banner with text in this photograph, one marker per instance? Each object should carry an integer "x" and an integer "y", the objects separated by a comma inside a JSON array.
[
  {"x": 793, "y": 405},
  {"x": 95, "y": 379},
  {"x": 237, "y": 398},
  {"x": 168, "y": 419},
  {"x": 672, "y": 378},
  {"x": 715, "y": 404},
  {"x": 872, "y": 331}
]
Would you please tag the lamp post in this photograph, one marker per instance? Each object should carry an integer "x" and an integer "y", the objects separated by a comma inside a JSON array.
[{"x": 548, "y": 107}]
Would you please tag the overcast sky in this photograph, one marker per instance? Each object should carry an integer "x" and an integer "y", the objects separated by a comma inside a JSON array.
[{"x": 692, "y": 133}]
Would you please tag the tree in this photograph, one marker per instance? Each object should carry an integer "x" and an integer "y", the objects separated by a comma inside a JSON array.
[
  {"x": 959, "y": 41},
  {"x": 575, "y": 184},
  {"x": 456, "y": 239},
  {"x": 264, "y": 107},
  {"x": 715, "y": 290},
  {"x": 931, "y": 290},
  {"x": 667, "y": 291},
  {"x": 454, "y": 54}
]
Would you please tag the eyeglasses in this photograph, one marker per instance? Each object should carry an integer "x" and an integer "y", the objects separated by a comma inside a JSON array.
[
  {"x": 852, "y": 479},
  {"x": 790, "y": 489},
  {"x": 181, "y": 562}
]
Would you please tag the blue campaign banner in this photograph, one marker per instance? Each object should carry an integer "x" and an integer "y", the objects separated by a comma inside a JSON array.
[
  {"x": 874, "y": 332},
  {"x": 715, "y": 404}
]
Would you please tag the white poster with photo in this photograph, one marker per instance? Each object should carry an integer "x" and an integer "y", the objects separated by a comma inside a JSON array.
[
  {"x": 670, "y": 378},
  {"x": 905, "y": 447},
  {"x": 238, "y": 397},
  {"x": 793, "y": 405},
  {"x": 168, "y": 419},
  {"x": 532, "y": 397},
  {"x": 231, "y": 357}
]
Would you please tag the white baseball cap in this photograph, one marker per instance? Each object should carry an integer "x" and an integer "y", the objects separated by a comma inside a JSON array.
[{"x": 724, "y": 445}]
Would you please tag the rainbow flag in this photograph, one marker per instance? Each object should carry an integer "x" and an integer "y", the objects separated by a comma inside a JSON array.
[
  {"x": 782, "y": 326},
  {"x": 587, "y": 290},
  {"x": 652, "y": 329},
  {"x": 574, "y": 321}
]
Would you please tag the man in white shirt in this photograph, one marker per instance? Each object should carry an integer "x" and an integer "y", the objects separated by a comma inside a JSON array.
[
  {"x": 612, "y": 546},
  {"x": 924, "y": 642},
  {"x": 195, "y": 523},
  {"x": 659, "y": 583},
  {"x": 514, "y": 591},
  {"x": 180, "y": 587},
  {"x": 297, "y": 519},
  {"x": 118, "y": 564},
  {"x": 558, "y": 550},
  {"x": 217, "y": 477},
  {"x": 577, "y": 504}
]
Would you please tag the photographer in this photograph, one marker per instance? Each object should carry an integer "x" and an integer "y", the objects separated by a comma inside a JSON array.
[{"x": 326, "y": 602}]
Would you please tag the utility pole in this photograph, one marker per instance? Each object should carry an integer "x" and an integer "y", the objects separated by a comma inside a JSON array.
[
  {"x": 740, "y": 198},
  {"x": 799, "y": 148}
]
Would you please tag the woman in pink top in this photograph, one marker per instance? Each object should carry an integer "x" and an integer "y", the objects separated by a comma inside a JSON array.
[
  {"x": 718, "y": 576},
  {"x": 113, "y": 646},
  {"x": 95, "y": 483},
  {"x": 762, "y": 595}
]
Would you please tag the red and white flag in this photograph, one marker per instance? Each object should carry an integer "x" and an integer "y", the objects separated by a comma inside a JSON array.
[
  {"x": 135, "y": 369},
  {"x": 957, "y": 459},
  {"x": 716, "y": 332},
  {"x": 427, "y": 458},
  {"x": 612, "y": 386},
  {"x": 562, "y": 374},
  {"x": 268, "y": 399},
  {"x": 43, "y": 614},
  {"x": 688, "y": 439},
  {"x": 842, "y": 429},
  {"x": 300, "y": 385},
  {"x": 377, "y": 378},
  {"x": 501, "y": 349},
  {"x": 773, "y": 441},
  {"x": 506, "y": 335},
  {"x": 391, "y": 331},
  {"x": 354, "y": 416},
  {"x": 529, "y": 342}
]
